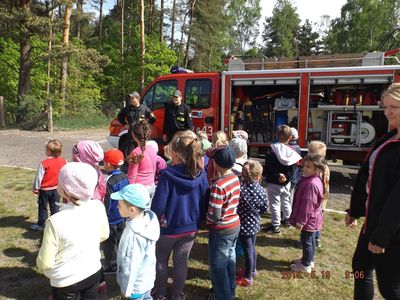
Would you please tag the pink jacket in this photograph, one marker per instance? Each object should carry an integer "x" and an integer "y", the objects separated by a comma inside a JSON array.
[
  {"x": 307, "y": 204},
  {"x": 144, "y": 172}
]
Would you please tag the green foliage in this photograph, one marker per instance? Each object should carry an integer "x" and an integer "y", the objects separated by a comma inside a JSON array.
[
  {"x": 244, "y": 16},
  {"x": 307, "y": 39},
  {"x": 362, "y": 25},
  {"x": 209, "y": 35},
  {"x": 280, "y": 30}
]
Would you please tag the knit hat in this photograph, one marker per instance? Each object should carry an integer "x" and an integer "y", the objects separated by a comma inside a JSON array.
[
  {"x": 136, "y": 194},
  {"x": 239, "y": 146},
  {"x": 153, "y": 144},
  {"x": 114, "y": 157},
  {"x": 78, "y": 179},
  {"x": 294, "y": 133},
  {"x": 88, "y": 152},
  {"x": 223, "y": 156}
]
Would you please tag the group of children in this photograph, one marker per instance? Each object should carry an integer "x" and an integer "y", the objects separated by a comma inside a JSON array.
[{"x": 142, "y": 221}]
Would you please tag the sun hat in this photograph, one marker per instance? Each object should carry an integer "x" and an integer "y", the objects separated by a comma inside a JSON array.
[
  {"x": 223, "y": 156},
  {"x": 88, "y": 152},
  {"x": 136, "y": 194},
  {"x": 78, "y": 179},
  {"x": 114, "y": 157}
]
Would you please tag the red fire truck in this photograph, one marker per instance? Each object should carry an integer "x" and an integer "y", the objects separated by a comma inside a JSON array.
[{"x": 332, "y": 98}]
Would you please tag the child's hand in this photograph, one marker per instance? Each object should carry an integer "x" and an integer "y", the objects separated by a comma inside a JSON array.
[
  {"x": 35, "y": 191},
  {"x": 299, "y": 226},
  {"x": 282, "y": 178}
]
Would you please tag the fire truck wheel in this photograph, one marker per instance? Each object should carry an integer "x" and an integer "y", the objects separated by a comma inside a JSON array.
[{"x": 367, "y": 133}]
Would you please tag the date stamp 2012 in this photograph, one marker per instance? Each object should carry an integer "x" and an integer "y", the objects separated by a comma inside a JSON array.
[{"x": 287, "y": 275}]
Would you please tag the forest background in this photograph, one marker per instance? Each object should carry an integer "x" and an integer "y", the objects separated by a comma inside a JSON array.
[{"x": 86, "y": 60}]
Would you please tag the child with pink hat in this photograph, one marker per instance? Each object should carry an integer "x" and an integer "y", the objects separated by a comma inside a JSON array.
[{"x": 70, "y": 251}]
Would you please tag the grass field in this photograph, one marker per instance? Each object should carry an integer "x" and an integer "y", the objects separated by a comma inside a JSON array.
[{"x": 20, "y": 279}]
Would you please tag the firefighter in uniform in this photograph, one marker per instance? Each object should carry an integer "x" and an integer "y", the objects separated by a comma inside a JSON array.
[
  {"x": 177, "y": 117},
  {"x": 131, "y": 114}
]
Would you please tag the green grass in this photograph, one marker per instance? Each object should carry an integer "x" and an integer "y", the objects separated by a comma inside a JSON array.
[
  {"x": 20, "y": 278},
  {"x": 69, "y": 122}
]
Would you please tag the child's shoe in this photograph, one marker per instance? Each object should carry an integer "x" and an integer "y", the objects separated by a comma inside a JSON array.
[
  {"x": 318, "y": 243},
  {"x": 272, "y": 229},
  {"x": 244, "y": 281},
  {"x": 102, "y": 286},
  {"x": 37, "y": 227},
  {"x": 301, "y": 268},
  {"x": 298, "y": 261},
  {"x": 254, "y": 273},
  {"x": 286, "y": 223}
]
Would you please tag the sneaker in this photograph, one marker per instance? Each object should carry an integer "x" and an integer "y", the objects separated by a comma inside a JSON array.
[
  {"x": 37, "y": 227},
  {"x": 318, "y": 243},
  {"x": 298, "y": 261},
  {"x": 272, "y": 229},
  {"x": 244, "y": 282},
  {"x": 254, "y": 273},
  {"x": 102, "y": 286},
  {"x": 300, "y": 268},
  {"x": 286, "y": 223}
]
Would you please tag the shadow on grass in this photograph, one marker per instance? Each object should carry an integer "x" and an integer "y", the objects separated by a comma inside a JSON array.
[
  {"x": 264, "y": 240},
  {"x": 15, "y": 221},
  {"x": 342, "y": 182},
  {"x": 28, "y": 257},
  {"x": 23, "y": 283}
]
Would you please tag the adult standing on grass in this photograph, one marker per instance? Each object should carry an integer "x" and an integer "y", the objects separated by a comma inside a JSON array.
[
  {"x": 177, "y": 117},
  {"x": 376, "y": 196},
  {"x": 70, "y": 251}
]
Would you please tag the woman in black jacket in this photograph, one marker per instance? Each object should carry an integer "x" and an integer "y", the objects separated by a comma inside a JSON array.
[{"x": 376, "y": 195}]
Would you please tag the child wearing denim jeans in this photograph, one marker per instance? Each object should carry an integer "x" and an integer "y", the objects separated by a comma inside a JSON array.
[
  {"x": 307, "y": 210},
  {"x": 252, "y": 204},
  {"x": 46, "y": 181},
  {"x": 224, "y": 224}
]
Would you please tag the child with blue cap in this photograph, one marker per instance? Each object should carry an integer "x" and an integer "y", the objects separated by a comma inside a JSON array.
[{"x": 136, "y": 258}]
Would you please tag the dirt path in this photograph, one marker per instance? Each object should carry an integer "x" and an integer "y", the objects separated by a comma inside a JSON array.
[{"x": 26, "y": 148}]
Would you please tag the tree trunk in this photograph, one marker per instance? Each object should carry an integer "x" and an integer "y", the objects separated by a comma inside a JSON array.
[
  {"x": 122, "y": 50},
  {"x": 173, "y": 24},
  {"x": 151, "y": 17},
  {"x": 25, "y": 64},
  {"x": 142, "y": 44},
  {"x": 64, "y": 64},
  {"x": 49, "y": 102},
  {"x": 101, "y": 24},
  {"x": 188, "y": 35},
  {"x": 180, "y": 50},
  {"x": 161, "y": 21}
]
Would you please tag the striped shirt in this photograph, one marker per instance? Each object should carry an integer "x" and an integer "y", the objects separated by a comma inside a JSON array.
[{"x": 224, "y": 199}]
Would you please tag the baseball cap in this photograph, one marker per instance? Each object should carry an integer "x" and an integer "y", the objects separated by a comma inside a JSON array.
[
  {"x": 114, "y": 157},
  {"x": 134, "y": 95},
  {"x": 177, "y": 93},
  {"x": 223, "y": 156},
  {"x": 78, "y": 179},
  {"x": 294, "y": 133},
  {"x": 136, "y": 194}
]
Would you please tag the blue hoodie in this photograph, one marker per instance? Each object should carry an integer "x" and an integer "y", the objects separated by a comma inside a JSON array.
[{"x": 181, "y": 200}]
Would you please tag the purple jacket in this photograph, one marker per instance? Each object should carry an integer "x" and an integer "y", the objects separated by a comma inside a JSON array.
[{"x": 307, "y": 209}]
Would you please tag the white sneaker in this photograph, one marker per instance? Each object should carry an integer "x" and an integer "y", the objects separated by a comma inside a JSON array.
[
  {"x": 301, "y": 268},
  {"x": 298, "y": 261},
  {"x": 37, "y": 227}
]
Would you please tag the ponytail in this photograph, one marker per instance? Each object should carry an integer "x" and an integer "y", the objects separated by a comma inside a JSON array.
[{"x": 141, "y": 131}]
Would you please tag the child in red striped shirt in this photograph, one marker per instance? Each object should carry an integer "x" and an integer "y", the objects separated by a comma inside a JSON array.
[{"x": 224, "y": 224}]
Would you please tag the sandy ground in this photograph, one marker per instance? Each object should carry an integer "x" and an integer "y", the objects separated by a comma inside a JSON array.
[{"x": 26, "y": 148}]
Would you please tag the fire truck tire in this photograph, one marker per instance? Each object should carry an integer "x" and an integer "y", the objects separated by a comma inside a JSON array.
[{"x": 367, "y": 133}]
